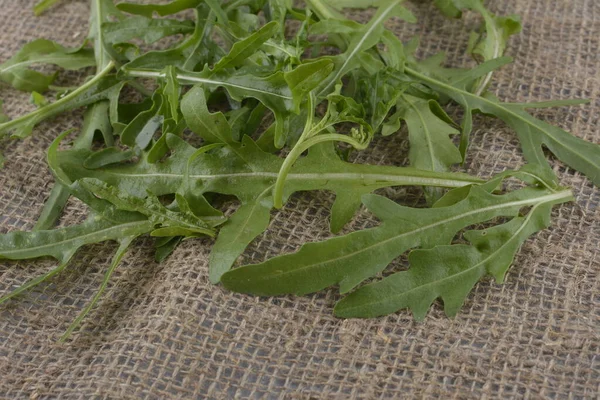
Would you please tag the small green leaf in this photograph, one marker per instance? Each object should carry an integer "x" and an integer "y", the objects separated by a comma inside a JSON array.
[
  {"x": 243, "y": 49},
  {"x": 148, "y": 29},
  {"x": 108, "y": 156},
  {"x": 147, "y": 10},
  {"x": 16, "y": 72},
  {"x": 43, "y": 5},
  {"x": 99, "y": 88}
]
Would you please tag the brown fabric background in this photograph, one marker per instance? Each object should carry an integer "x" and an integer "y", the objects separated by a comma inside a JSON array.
[{"x": 162, "y": 331}]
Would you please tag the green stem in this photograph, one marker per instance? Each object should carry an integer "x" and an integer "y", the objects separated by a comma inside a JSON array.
[
  {"x": 295, "y": 154},
  {"x": 115, "y": 263}
]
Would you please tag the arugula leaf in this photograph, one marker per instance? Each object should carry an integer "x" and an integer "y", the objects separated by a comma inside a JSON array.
[
  {"x": 150, "y": 207},
  {"x": 362, "y": 40},
  {"x": 492, "y": 43},
  {"x": 99, "y": 88},
  {"x": 62, "y": 244},
  {"x": 198, "y": 49},
  {"x": 350, "y": 259},
  {"x": 43, "y": 5},
  {"x": 102, "y": 11},
  {"x": 244, "y": 48},
  {"x": 448, "y": 8},
  {"x": 533, "y": 133},
  {"x": 147, "y": 10},
  {"x": 15, "y": 71},
  {"x": 449, "y": 272},
  {"x": 148, "y": 29},
  {"x": 277, "y": 11},
  {"x": 429, "y": 129}
]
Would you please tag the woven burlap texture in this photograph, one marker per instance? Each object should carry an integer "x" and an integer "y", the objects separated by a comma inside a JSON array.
[{"x": 163, "y": 331}]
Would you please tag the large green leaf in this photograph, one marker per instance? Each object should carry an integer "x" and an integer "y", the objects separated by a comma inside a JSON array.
[
  {"x": 448, "y": 272},
  {"x": 350, "y": 259}
]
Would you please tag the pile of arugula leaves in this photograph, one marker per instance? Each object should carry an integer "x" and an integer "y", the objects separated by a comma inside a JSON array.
[{"x": 250, "y": 78}]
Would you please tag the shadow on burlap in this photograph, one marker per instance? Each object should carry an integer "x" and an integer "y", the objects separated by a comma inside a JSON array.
[{"x": 162, "y": 331}]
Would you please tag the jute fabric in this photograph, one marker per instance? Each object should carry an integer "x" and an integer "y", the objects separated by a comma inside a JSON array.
[{"x": 163, "y": 331}]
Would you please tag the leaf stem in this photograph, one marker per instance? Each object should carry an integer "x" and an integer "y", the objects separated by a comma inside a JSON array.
[
  {"x": 124, "y": 245},
  {"x": 301, "y": 148}
]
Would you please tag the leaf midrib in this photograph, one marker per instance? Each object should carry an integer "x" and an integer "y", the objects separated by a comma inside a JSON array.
[
  {"x": 186, "y": 78},
  {"x": 377, "y": 178}
]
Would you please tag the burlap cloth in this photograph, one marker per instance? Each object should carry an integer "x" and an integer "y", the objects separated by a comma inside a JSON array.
[{"x": 162, "y": 331}]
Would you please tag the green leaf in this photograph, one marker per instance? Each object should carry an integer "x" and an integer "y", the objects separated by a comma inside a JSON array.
[
  {"x": 448, "y": 272},
  {"x": 101, "y": 11},
  {"x": 38, "y": 99},
  {"x": 150, "y": 206},
  {"x": 99, "y": 88},
  {"x": 362, "y": 40},
  {"x": 147, "y": 10},
  {"x": 140, "y": 131},
  {"x": 62, "y": 244},
  {"x": 277, "y": 10},
  {"x": 108, "y": 156},
  {"x": 165, "y": 249},
  {"x": 533, "y": 133},
  {"x": 429, "y": 130},
  {"x": 249, "y": 221},
  {"x": 350, "y": 259},
  {"x": 43, "y": 5},
  {"x": 213, "y": 128},
  {"x": 491, "y": 43},
  {"x": 243, "y": 49},
  {"x": 198, "y": 49},
  {"x": 448, "y": 8},
  {"x": 17, "y": 73},
  {"x": 148, "y": 29}
]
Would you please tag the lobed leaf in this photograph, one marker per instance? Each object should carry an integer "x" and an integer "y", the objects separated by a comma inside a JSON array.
[{"x": 350, "y": 259}]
